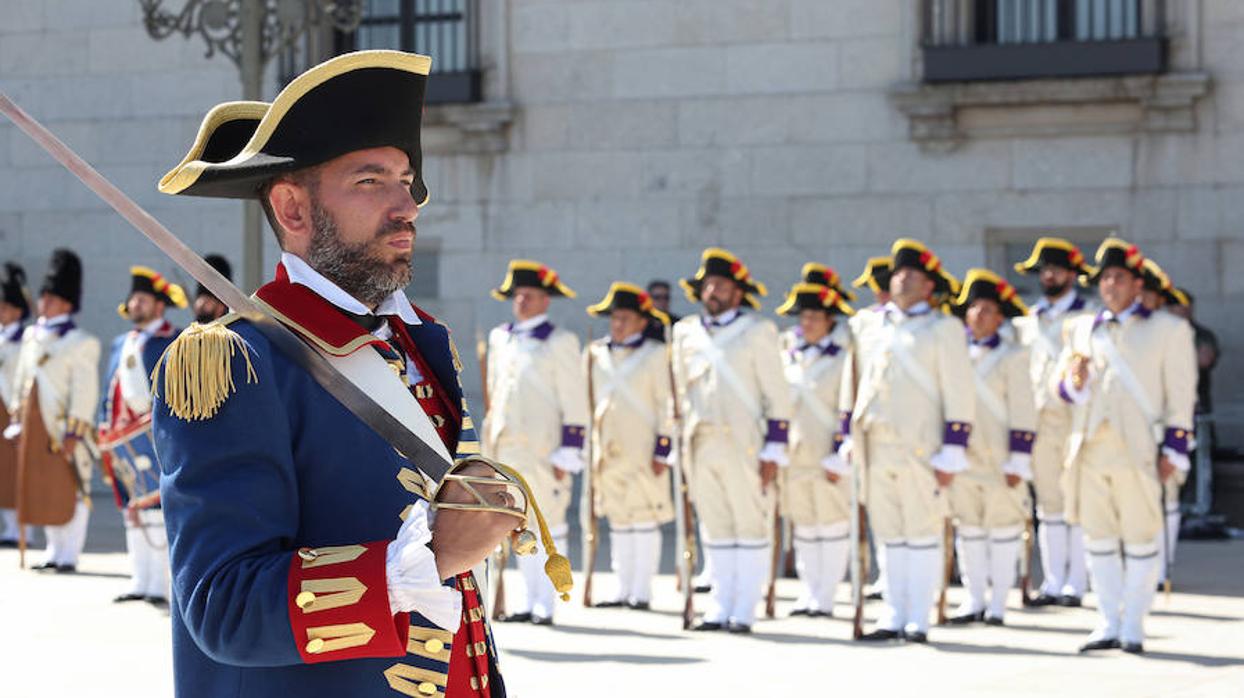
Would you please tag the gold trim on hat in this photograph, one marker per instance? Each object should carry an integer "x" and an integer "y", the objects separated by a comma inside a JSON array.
[
  {"x": 507, "y": 284},
  {"x": 1041, "y": 245},
  {"x": 646, "y": 306}
]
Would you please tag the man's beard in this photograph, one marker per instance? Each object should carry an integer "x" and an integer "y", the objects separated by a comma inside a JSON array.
[
  {"x": 357, "y": 269},
  {"x": 1054, "y": 290}
]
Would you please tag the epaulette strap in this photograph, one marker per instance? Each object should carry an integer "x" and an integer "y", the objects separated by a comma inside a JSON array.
[{"x": 198, "y": 369}]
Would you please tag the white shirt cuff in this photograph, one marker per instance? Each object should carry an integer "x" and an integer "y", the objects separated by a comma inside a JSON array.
[
  {"x": 836, "y": 464},
  {"x": 950, "y": 459},
  {"x": 774, "y": 452},
  {"x": 1068, "y": 392},
  {"x": 413, "y": 580},
  {"x": 1019, "y": 464},
  {"x": 1177, "y": 459},
  {"x": 567, "y": 458}
]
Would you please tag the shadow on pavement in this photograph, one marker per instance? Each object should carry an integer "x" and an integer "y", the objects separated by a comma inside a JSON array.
[
  {"x": 612, "y": 632},
  {"x": 639, "y": 659},
  {"x": 961, "y": 648}
]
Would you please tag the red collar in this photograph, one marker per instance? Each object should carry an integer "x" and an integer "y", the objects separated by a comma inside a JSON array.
[{"x": 317, "y": 320}]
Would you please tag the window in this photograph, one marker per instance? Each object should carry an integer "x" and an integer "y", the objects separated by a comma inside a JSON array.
[
  {"x": 1018, "y": 39},
  {"x": 443, "y": 29}
]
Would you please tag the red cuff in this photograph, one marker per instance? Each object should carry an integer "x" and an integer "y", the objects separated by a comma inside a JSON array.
[{"x": 339, "y": 604}]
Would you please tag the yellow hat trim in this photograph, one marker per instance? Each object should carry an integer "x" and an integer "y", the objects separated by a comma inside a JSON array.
[
  {"x": 187, "y": 173},
  {"x": 743, "y": 274},
  {"x": 219, "y": 115},
  {"x": 645, "y": 302},
  {"x": 507, "y": 284},
  {"x": 832, "y": 299},
  {"x": 1006, "y": 292},
  {"x": 870, "y": 268},
  {"x": 1041, "y": 245}
]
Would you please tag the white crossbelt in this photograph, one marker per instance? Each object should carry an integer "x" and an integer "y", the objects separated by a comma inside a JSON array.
[
  {"x": 1047, "y": 345},
  {"x": 618, "y": 383},
  {"x": 538, "y": 387},
  {"x": 1102, "y": 340},
  {"x": 914, "y": 370},
  {"x": 983, "y": 390},
  {"x": 714, "y": 352},
  {"x": 801, "y": 380}
]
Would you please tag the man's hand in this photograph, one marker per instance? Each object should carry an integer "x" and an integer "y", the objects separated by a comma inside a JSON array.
[
  {"x": 559, "y": 474},
  {"x": 832, "y": 477},
  {"x": 768, "y": 473},
  {"x": 1166, "y": 468},
  {"x": 463, "y": 539},
  {"x": 131, "y": 516},
  {"x": 1078, "y": 371},
  {"x": 1013, "y": 481},
  {"x": 659, "y": 467},
  {"x": 943, "y": 478},
  {"x": 69, "y": 444}
]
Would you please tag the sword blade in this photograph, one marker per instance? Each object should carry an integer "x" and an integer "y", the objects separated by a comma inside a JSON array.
[{"x": 423, "y": 455}]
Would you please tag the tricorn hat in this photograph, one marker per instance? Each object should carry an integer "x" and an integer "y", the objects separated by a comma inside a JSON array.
[
  {"x": 912, "y": 253},
  {"x": 220, "y": 264},
  {"x": 626, "y": 296},
  {"x": 1053, "y": 252},
  {"x": 718, "y": 262},
  {"x": 1157, "y": 280},
  {"x": 147, "y": 280},
  {"x": 809, "y": 296},
  {"x": 524, "y": 272},
  {"x": 64, "y": 277},
  {"x": 356, "y": 101},
  {"x": 14, "y": 287},
  {"x": 876, "y": 275},
  {"x": 982, "y": 283},
  {"x": 814, "y": 273},
  {"x": 1114, "y": 252}
]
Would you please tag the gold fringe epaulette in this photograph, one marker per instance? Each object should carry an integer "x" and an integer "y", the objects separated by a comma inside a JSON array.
[{"x": 198, "y": 369}]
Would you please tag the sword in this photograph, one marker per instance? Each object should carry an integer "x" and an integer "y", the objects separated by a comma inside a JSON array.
[{"x": 412, "y": 446}]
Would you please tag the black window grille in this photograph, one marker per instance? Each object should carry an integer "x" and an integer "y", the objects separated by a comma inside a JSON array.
[
  {"x": 1016, "y": 39},
  {"x": 446, "y": 30}
]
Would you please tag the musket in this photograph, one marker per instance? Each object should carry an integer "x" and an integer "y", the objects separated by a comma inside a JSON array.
[
  {"x": 684, "y": 544},
  {"x": 948, "y": 562},
  {"x": 1166, "y": 531},
  {"x": 587, "y": 506},
  {"x": 501, "y": 556},
  {"x": 775, "y": 561},
  {"x": 1025, "y": 559},
  {"x": 423, "y": 448},
  {"x": 858, "y": 520}
]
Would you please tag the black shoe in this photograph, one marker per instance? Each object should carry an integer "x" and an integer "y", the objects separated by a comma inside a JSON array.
[
  {"x": 821, "y": 614},
  {"x": 1069, "y": 601},
  {"x": 516, "y": 618},
  {"x": 44, "y": 566},
  {"x": 1133, "y": 648},
  {"x": 881, "y": 635},
  {"x": 639, "y": 605},
  {"x": 1043, "y": 599},
  {"x": 609, "y": 604},
  {"x": 738, "y": 628},
  {"x": 702, "y": 588},
  {"x": 8, "y": 544},
  {"x": 708, "y": 627},
  {"x": 128, "y": 597},
  {"x": 916, "y": 637},
  {"x": 966, "y": 618},
  {"x": 158, "y": 601},
  {"x": 541, "y": 620},
  {"x": 1095, "y": 645},
  {"x": 996, "y": 622},
  {"x": 873, "y": 596},
  {"x": 802, "y": 612},
  {"x": 66, "y": 569}
]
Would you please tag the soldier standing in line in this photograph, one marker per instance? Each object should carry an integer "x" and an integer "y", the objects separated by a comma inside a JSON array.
[
  {"x": 537, "y": 414},
  {"x": 14, "y": 311}
]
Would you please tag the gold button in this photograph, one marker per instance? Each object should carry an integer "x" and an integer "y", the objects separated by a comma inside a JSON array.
[
  {"x": 1179, "y": 433},
  {"x": 308, "y": 554},
  {"x": 434, "y": 646},
  {"x": 304, "y": 599},
  {"x": 315, "y": 646},
  {"x": 427, "y": 688},
  {"x": 956, "y": 426}
]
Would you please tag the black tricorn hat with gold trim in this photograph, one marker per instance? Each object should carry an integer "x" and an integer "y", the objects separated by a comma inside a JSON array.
[
  {"x": 14, "y": 287},
  {"x": 147, "y": 280},
  {"x": 1157, "y": 280},
  {"x": 907, "y": 252},
  {"x": 876, "y": 275},
  {"x": 1114, "y": 252},
  {"x": 814, "y": 273},
  {"x": 809, "y": 296},
  {"x": 625, "y": 296},
  {"x": 356, "y": 101},
  {"x": 526, "y": 273},
  {"x": 1055, "y": 252},
  {"x": 719, "y": 262},
  {"x": 982, "y": 283}
]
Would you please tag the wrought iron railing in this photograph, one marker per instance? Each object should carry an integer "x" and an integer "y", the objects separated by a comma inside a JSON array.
[{"x": 998, "y": 39}]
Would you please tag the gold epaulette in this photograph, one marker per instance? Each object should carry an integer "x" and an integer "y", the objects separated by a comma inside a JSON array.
[{"x": 198, "y": 369}]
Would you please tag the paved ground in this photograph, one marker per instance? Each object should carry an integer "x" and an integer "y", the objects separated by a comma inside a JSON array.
[{"x": 62, "y": 637}]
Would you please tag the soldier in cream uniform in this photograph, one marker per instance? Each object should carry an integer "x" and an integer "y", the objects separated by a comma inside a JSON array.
[
  {"x": 876, "y": 277},
  {"x": 736, "y": 406},
  {"x": 816, "y": 488},
  {"x": 989, "y": 499},
  {"x": 537, "y": 416},
  {"x": 907, "y": 426},
  {"x": 1131, "y": 375},
  {"x": 61, "y": 362},
  {"x": 631, "y": 446},
  {"x": 14, "y": 311},
  {"x": 1057, "y": 263}
]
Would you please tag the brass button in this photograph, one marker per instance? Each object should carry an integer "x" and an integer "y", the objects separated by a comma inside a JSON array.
[
  {"x": 427, "y": 688},
  {"x": 315, "y": 646},
  {"x": 304, "y": 599},
  {"x": 308, "y": 554},
  {"x": 434, "y": 646}
]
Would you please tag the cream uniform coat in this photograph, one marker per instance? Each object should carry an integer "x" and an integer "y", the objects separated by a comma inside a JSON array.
[
  {"x": 915, "y": 386},
  {"x": 631, "y": 388},
  {"x": 64, "y": 369},
  {"x": 10, "y": 347},
  {"x": 1042, "y": 333},
  {"x": 730, "y": 383},
  {"x": 1005, "y": 411},
  {"x": 815, "y": 377},
  {"x": 1112, "y": 429},
  {"x": 535, "y": 388}
]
